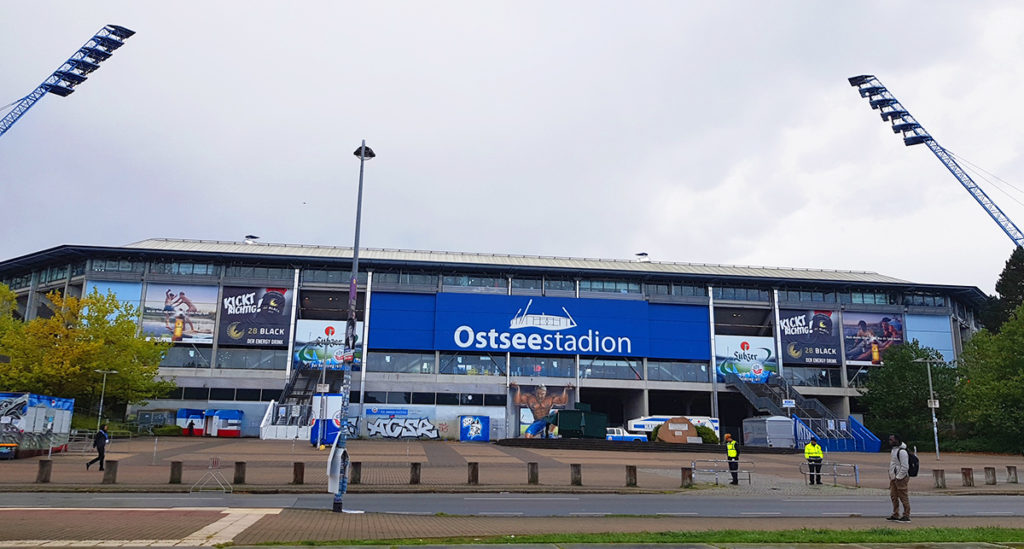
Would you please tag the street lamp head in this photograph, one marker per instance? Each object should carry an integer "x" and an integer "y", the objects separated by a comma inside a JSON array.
[
  {"x": 364, "y": 152},
  {"x": 105, "y": 371}
]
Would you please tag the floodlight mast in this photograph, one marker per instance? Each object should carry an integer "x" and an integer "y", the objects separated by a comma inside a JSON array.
[
  {"x": 72, "y": 72},
  {"x": 913, "y": 134}
]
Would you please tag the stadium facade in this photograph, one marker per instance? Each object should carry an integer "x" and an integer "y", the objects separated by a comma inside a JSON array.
[{"x": 444, "y": 336}]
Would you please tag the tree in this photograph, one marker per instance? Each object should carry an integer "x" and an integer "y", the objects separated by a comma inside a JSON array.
[
  {"x": 58, "y": 355},
  {"x": 896, "y": 394},
  {"x": 991, "y": 386},
  {"x": 1010, "y": 288}
]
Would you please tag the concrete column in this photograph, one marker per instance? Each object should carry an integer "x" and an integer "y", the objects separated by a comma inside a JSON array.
[
  {"x": 239, "y": 472},
  {"x": 1011, "y": 474},
  {"x": 110, "y": 472},
  {"x": 967, "y": 475},
  {"x": 414, "y": 472},
  {"x": 356, "y": 474},
  {"x": 990, "y": 475},
  {"x": 576, "y": 474},
  {"x": 175, "y": 473},
  {"x": 298, "y": 473},
  {"x": 45, "y": 469},
  {"x": 687, "y": 477},
  {"x": 474, "y": 473},
  {"x": 532, "y": 473},
  {"x": 631, "y": 475},
  {"x": 939, "y": 476}
]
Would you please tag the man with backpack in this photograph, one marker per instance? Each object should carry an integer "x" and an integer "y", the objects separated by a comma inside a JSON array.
[{"x": 899, "y": 478}]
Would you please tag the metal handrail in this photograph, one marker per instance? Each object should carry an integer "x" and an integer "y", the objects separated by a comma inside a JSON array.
[{"x": 838, "y": 470}]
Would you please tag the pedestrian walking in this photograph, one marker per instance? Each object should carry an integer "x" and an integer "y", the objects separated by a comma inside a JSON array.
[
  {"x": 732, "y": 455},
  {"x": 813, "y": 455},
  {"x": 99, "y": 442},
  {"x": 191, "y": 428},
  {"x": 899, "y": 479}
]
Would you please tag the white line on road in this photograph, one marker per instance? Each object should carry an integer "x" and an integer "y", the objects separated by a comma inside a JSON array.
[
  {"x": 843, "y": 514},
  {"x": 521, "y": 499},
  {"x": 587, "y": 514}
]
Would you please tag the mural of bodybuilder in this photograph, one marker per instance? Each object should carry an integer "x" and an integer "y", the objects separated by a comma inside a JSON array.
[{"x": 540, "y": 403}]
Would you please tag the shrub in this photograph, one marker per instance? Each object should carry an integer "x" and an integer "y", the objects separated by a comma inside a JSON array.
[
  {"x": 166, "y": 430},
  {"x": 707, "y": 434}
]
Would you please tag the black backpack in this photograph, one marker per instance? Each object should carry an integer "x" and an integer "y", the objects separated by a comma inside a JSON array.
[{"x": 913, "y": 464}]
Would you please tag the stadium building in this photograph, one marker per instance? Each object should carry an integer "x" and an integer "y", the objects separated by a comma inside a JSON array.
[{"x": 444, "y": 336}]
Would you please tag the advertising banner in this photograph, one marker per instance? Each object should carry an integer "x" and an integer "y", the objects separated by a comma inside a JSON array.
[
  {"x": 255, "y": 317},
  {"x": 809, "y": 337},
  {"x": 317, "y": 341},
  {"x": 541, "y": 325},
  {"x": 751, "y": 358},
  {"x": 867, "y": 335},
  {"x": 129, "y": 293},
  {"x": 179, "y": 312}
]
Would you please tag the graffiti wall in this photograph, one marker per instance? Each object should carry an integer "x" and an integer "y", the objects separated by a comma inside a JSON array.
[{"x": 35, "y": 422}]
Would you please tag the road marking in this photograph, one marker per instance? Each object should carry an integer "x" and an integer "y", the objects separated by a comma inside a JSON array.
[
  {"x": 843, "y": 514},
  {"x": 521, "y": 499},
  {"x": 587, "y": 514}
]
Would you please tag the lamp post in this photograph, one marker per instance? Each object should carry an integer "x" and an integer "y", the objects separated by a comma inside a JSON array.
[
  {"x": 933, "y": 403},
  {"x": 99, "y": 419},
  {"x": 364, "y": 153}
]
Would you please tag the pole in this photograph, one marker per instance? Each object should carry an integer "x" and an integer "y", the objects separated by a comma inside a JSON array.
[
  {"x": 935, "y": 423},
  {"x": 103, "y": 390}
]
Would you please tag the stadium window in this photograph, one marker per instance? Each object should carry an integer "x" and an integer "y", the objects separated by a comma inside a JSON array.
[
  {"x": 448, "y": 399},
  {"x": 495, "y": 400},
  {"x": 423, "y": 398},
  {"x": 375, "y": 397},
  {"x": 527, "y": 283},
  {"x": 399, "y": 397},
  {"x": 220, "y": 393},
  {"x": 559, "y": 285}
]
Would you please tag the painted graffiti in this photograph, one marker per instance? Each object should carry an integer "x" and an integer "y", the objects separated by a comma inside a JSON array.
[{"x": 402, "y": 427}]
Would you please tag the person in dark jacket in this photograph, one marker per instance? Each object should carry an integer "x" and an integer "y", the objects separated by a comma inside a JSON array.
[{"x": 99, "y": 442}]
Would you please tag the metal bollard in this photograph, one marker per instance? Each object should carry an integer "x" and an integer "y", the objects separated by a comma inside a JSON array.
[
  {"x": 967, "y": 476},
  {"x": 414, "y": 473},
  {"x": 990, "y": 475},
  {"x": 239, "y": 472},
  {"x": 110, "y": 472},
  {"x": 474, "y": 473},
  {"x": 175, "y": 473},
  {"x": 576, "y": 474},
  {"x": 939, "y": 476},
  {"x": 45, "y": 469},
  {"x": 532, "y": 473},
  {"x": 1011, "y": 474},
  {"x": 356, "y": 475},
  {"x": 631, "y": 475},
  {"x": 298, "y": 473},
  {"x": 687, "y": 477}
]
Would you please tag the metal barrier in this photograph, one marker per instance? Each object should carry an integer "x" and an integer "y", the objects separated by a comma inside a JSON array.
[
  {"x": 835, "y": 470},
  {"x": 721, "y": 466}
]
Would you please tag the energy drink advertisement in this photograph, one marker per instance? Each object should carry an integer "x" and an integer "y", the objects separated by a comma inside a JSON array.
[
  {"x": 866, "y": 336},
  {"x": 809, "y": 337},
  {"x": 255, "y": 317},
  {"x": 179, "y": 312},
  {"x": 752, "y": 359}
]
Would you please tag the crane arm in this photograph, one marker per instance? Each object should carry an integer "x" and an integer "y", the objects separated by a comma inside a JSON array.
[{"x": 914, "y": 134}]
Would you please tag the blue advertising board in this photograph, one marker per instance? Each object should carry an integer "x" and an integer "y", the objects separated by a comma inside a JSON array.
[{"x": 533, "y": 325}]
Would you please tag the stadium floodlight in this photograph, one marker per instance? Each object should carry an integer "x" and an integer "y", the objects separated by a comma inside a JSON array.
[{"x": 71, "y": 73}]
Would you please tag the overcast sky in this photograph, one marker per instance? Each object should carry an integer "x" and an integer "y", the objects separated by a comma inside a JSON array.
[{"x": 694, "y": 131}]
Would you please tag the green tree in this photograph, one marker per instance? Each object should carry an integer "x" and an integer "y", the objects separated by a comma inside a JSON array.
[
  {"x": 59, "y": 355},
  {"x": 991, "y": 386},
  {"x": 8, "y": 308},
  {"x": 896, "y": 394},
  {"x": 1010, "y": 290}
]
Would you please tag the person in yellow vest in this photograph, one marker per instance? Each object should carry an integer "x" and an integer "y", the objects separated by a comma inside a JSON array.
[
  {"x": 733, "y": 456},
  {"x": 813, "y": 455}
]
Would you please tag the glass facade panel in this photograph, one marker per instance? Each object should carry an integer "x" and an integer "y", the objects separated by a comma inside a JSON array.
[
  {"x": 665, "y": 370},
  {"x": 611, "y": 368},
  {"x": 495, "y": 400},
  {"x": 811, "y": 376},
  {"x": 559, "y": 285},
  {"x": 395, "y": 397},
  {"x": 375, "y": 397},
  {"x": 448, "y": 398},
  {"x": 548, "y": 366},
  {"x": 220, "y": 393},
  {"x": 472, "y": 364},
  {"x": 400, "y": 362},
  {"x": 471, "y": 399},
  {"x": 423, "y": 398},
  {"x": 527, "y": 283},
  {"x": 252, "y": 359},
  {"x": 187, "y": 356}
]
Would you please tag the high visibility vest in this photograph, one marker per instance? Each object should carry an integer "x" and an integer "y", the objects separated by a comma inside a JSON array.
[
  {"x": 731, "y": 449},
  {"x": 813, "y": 451}
]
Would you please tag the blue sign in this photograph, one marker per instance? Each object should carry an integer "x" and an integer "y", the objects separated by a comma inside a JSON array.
[
  {"x": 540, "y": 325},
  {"x": 475, "y": 428}
]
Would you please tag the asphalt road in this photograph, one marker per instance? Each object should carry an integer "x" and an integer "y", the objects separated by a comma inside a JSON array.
[{"x": 542, "y": 505}]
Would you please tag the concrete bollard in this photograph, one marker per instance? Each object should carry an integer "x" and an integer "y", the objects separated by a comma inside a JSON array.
[
  {"x": 631, "y": 475},
  {"x": 474, "y": 473},
  {"x": 175, "y": 473},
  {"x": 576, "y": 474},
  {"x": 45, "y": 469},
  {"x": 990, "y": 475},
  {"x": 967, "y": 475},
  {"x": 298, "y": 473},
  {"x": 239, "y": 472},
  {"x": 356, "y": 474},
  {"x": 110, "y": 472},
  {"x": 1011, "y": 474},
  {"x": 532, "y": 473},
  {"x": 939, "y": 476},
  {"x": 687, "y": 477},
  {"x": 414, "y": 472}
]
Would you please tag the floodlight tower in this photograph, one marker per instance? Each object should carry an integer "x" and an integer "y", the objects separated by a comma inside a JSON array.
[
  {"x": 72, "y": 72},
  {"x": 893, "y": 112}
]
